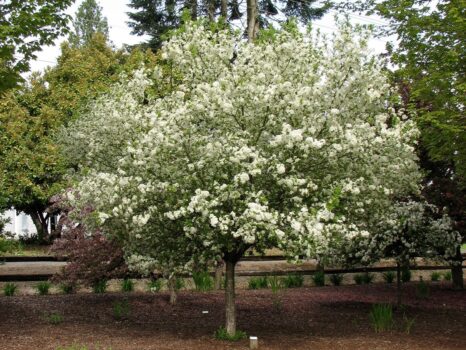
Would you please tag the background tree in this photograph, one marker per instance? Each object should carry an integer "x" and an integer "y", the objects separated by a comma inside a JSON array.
[
  {"x": 430, "y": 73},
  {"x": 26, "y": 26},
  {"x": 155, "y": 17},
  {"x": 88, "y": 21},
  {"x": 285, "y": 142}
]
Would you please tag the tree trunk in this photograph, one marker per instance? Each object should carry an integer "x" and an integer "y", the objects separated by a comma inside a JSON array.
[
  {"x": 172, "y": 289},
  {"x": 41, "y": 225},
  {"x": 218, "y": 275},
  {"x": 223, "y": 9},
  {"x": 251, "y": 11},
  {"x": 457, "y": 271},
  {"x": 230, "y": 310},
  {"x": 398, "y": 285}
]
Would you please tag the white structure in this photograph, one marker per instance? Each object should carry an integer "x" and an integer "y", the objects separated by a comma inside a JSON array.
[{"x": 19, "y": 223}]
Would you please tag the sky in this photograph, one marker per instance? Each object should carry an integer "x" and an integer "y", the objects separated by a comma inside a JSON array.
[{"x": 119, "y": 32}]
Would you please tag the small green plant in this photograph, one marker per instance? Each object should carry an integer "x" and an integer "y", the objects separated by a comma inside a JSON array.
[
  {"x": 203, "y": 281},
  {"x": 9, "y": 289},
  {"x": 121, "y": 310},
  {"x": 221, "y": 334},
  {"x": 389, "y": 276},
  {"x": 319, "y": 278},
  {"x": 405, "y": 275},
  {"x": 447, "y": 276},
  {"x": 367, "y": 278},
  {"x": 276, "y": 285},
  {"x": 336, "y": 279},
  {"x": 99, "y": 287},
  {"x": 67, "y": 288},
  {"x": 422, "y": 289},
  {"x": 43, "y": 287},
  {"x": 293, "y": 281},
  {"x": 127, "y": 285},
  {"x": 435, "y": 276},
  {"x": 54, "y": 318},
  {"x": 408, "y": 323},
  {"x": 381, "y": 317},
  {"x": 258, "y": 282},
  {"x": 358, "y": 278},
  {"x": 155, "y": 285}
]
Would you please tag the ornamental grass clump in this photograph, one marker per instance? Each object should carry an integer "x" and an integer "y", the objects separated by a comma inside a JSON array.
[
  {"x": 293, "y": 281},
  {"x": 203, "y": 281},
  {"x": 43, "y": 287},
  {"x": 155, "y": 285},
  {"x": 381, "y": 317},
  {"x": 389, "y": 276},
  {"x": 9, "y": 289},
  {"x": 99, "y": 287},
  {"x": 222, "y": 334},
  {"x": 447, "y": 276},
  {"x": 435, "y": 276},
  {"x": 127, "y": 285},
  {"x": 286, "y": 142},
  {"x": 258, "y": 282},
  {"x": 318, "y": 278},
  {"x": 336, "y": 278}
]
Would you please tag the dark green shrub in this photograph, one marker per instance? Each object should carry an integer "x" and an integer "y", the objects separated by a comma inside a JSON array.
[
  {"x": 381, "y": 317},
  {"x": 336, "y": 279},
  {"x": 389, "y": 276},
  {"x": 203, "y": 281},
  {"x": 127, "y": 285},
  {"x": 100, "y": 286},
  {"x": 405, "y": 275},
  {"x": 435, "y": 276},
  {"x": 293, "y": 281},
  {"x": 222, "y": 334},
  {"x": 258, "y": 282},
  {"x": 9, "y": 289},
  {"x": 43, "y": 287},
  {"x": 319, "y": 278}
]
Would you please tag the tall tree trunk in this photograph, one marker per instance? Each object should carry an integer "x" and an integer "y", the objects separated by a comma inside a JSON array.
[
  {"x": 398, "y": 285},
  {"x": 41, "y": 224},
  {"x": 230, "y": 309},
  {"x": 218, "y": 275},
  {"x": 224, "y": 9},
  {"x": 251, "y": 10},
  {"x": 172, "y": 289},
  {"x": 457, "y": 271}
]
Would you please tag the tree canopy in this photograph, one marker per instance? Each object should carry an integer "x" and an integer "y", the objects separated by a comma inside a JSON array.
[
  {"x": 88, "y": 21},
  {"x": 26, "y": 26}
]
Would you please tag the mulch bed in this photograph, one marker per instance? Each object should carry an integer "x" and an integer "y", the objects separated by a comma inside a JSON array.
[{"x": 304, "y": 318}]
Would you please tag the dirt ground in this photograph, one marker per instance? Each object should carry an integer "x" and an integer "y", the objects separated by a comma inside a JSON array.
[{"x": 304, "y": 318}]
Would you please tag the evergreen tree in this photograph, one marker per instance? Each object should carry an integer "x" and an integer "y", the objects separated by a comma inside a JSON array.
[
  {"x": 88, "y": 21},
  {"x": 156, "y": 17}
]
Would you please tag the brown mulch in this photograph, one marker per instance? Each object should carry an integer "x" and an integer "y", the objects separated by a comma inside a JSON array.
[{"x": 305, "y": 318}]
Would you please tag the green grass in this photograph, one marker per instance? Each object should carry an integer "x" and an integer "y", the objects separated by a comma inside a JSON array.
[
  {"x": 389, "y": 276},
  {"x": 155, "y": 286},
  {"x": 318, "y": 278},
  {"x": 447, "y": 276},
  {"x": 121, "y": 310},
  {"x": 221, "y": 334},
  {"x": 435, "y": 276}
]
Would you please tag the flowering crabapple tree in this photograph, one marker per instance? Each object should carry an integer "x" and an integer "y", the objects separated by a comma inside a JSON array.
[{"x": 286, "y": 142}]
